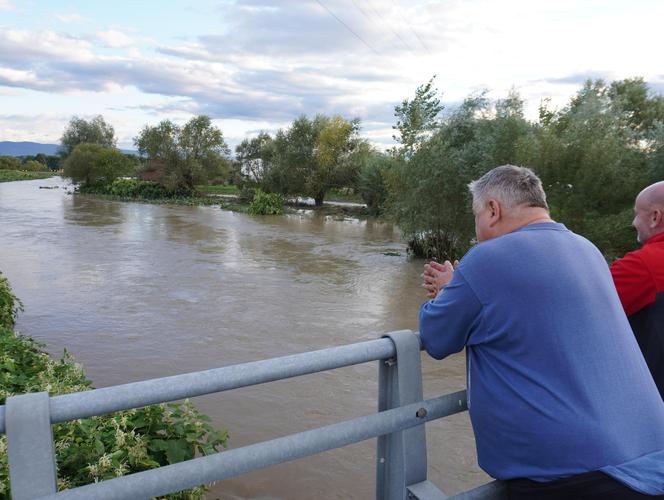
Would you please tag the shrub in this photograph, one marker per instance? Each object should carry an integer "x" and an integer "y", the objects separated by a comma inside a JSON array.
[
  {"x": 266, "y": 204},
  {"x": 10, "y": 305},
  {"x": 34, "y": 166},
  {"x": 101, "y": 447}
]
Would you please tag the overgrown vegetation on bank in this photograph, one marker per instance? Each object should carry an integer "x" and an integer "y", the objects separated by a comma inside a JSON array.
[
  {"x": 20, "y": 175},
  {"x": 37, "y": 163},
  {"x": 594, "y": 155},
  {"x": 102, "y": 447}
]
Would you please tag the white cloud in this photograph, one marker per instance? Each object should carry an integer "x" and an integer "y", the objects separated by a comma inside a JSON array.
[
  {"x": 70, "y": 18},
  {"x": 270, "y": 61},
  {"x": 114, "y": 39},
  {"x": 23, "y": 47},
  {"x": 6, "y": 5}
]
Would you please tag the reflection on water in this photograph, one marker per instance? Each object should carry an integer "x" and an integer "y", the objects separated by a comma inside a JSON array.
[{"x": 138, "y": 291}]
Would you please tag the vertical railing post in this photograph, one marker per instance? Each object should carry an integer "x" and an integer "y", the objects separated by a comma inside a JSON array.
[
  {"x": 401, "y": 457},
  {"x": 32, "y": 469}
]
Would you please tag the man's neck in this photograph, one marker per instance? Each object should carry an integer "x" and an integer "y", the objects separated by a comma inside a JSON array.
[{"x": 530, "y": 216}]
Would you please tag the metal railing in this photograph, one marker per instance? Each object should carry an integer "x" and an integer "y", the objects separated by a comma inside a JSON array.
[{"x": 401, "y": 465}]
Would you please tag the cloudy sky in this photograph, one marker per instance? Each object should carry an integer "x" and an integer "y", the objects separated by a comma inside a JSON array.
[{"x": 255, "y": 65}]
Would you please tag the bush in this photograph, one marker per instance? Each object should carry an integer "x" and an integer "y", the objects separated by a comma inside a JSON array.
[
  {"x": 101, "y": 447},
  {"x": 266, "y": 204},
  {"x": 93, "y": 164},
  {"x": 34, "y": 166},
  {"x": 10, "y": 305},
  {"x": 9, "y": 163},
  {"x": 133, "y": 188}
]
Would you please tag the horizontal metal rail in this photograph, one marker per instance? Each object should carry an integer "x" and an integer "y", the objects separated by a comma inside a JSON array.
[
  {"x": 138, "y": 394},
  {"x": 204, "y": 470}
]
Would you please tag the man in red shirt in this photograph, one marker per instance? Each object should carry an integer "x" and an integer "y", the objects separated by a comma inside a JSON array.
[{"x": 639, "y": 279}]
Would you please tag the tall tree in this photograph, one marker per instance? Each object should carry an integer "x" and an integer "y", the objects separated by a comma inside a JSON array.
[
  {"x": 189, "y": 156},
  {"x": 81, "y": 131},
  {"x": 256, "y": 158},
  {"x": 417, "y": 118}
]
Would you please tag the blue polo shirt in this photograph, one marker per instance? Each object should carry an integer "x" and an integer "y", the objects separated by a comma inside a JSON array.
[{"x": 557, "y": 385}]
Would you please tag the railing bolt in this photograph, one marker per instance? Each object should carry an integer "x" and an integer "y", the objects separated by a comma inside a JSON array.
[
  {"x": 421, "y": 413},
  {"x": 390, "y": 362}
]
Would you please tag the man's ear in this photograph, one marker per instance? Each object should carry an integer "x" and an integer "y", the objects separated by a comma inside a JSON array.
[
  {"x": 656, "y": 217},
  {"x": 494, "y": 212}
]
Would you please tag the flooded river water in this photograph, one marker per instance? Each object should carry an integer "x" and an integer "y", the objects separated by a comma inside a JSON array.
[{"x": 136, "y": 291}]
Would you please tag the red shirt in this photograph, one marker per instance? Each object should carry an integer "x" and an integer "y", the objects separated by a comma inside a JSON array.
[{"x": 639, "y": 275}]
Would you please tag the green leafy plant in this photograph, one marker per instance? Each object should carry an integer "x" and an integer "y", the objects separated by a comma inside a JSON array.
[
  {"x": 266, "y": 204},
  {"x": 10, "y": 305},
  {"x": 100, "y": 447}
]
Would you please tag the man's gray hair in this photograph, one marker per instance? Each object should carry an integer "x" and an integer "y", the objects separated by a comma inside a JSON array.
[{"x": 511, "y": 185}]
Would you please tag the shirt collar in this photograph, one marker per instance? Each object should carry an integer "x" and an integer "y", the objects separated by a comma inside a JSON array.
[{"x": 655, "y": 239}]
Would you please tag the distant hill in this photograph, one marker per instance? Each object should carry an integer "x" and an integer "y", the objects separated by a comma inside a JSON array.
[{"x": 9, "y": 148}]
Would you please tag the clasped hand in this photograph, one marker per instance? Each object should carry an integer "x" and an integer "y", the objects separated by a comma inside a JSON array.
[{"x": 436, "y": 276}]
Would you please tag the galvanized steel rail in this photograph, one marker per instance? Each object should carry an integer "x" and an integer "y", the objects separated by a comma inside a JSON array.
[{"x": 401, "y": 468}]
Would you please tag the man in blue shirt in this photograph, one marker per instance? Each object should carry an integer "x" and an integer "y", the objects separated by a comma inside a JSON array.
[{"x": 560, "y": 398}]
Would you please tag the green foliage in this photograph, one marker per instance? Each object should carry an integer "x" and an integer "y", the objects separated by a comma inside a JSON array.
[
  {"x": 10, "y": 305},
  {"x": 94, "y": 164},
  {"x": 256, "y": 161},
  {"x": 593, "y": 156},
  {"x": 34, "y": 166},
  {"x": 133, "y": 188},
  {"x": 101, "y": 447},
  {"x": 417, "y": 118},
  {"x": 81, "y": 131},
  {"x": 21, "y": 175},
  {"x": 266, "y": 204},
  {"x": 429, "y": 195},
  {"x": 373, "y": 181},
  {"x": 312, "y": 157},
  {"x": 187, "y": 156},
  {"x": 10, "y": 163}
]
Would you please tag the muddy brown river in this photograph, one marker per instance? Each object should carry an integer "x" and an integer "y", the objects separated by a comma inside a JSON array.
[{"x": 137, "y": 291}]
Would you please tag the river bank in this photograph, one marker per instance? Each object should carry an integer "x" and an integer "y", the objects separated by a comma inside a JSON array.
[{"x": 24, "y": 175}]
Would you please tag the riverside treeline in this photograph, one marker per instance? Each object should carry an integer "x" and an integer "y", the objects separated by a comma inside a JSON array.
[{"x": 594, "y": 155}]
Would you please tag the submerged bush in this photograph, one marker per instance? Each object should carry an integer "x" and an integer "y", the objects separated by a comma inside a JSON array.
[{"x": 266, "y": 204}]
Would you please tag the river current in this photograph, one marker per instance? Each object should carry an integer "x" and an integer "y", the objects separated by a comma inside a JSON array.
[{"x": 137, "y": 291}]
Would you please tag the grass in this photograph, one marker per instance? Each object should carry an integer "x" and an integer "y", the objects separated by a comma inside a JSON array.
[
  {"x": 218, "y": 189},
  {"x": 22, "y": 175}
]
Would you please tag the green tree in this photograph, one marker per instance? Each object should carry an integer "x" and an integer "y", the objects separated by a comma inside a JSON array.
[
  {"x": 9, "y": 163},
  {"x": 417, "y": 119},
  {"x": 593, "y": 157},
  {"x": 256, "y": 159},
  {"x": 34, "y": 166},
  {"x": 294, "y": 155},
  {"x": 338, "y": 158},
  {"x": 189, "y": 156},
  {"x": 429, "y": 196},
  {"x": 94, "y": 164},
  {"x": 81, "y": 131},
  {"x": 315, "y": 155},
  {"x": 373, "y": 181}
]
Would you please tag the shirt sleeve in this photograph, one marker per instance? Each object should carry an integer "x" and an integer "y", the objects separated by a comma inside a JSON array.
[
  {"x": 634, "y": 283},
  {"x": 448, "y": 321}
]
